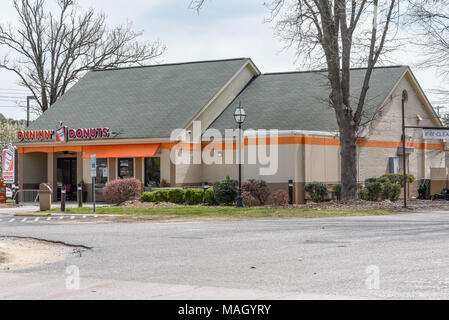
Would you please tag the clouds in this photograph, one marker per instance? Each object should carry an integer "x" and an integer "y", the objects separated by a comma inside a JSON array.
[{"x": 223, "y": 29}]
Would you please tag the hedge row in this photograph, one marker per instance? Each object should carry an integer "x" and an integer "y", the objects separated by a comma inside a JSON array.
[{"x": 180, "y": 196}]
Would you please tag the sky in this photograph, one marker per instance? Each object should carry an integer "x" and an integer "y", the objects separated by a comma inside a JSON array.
[{"x": 223, "y": 29}]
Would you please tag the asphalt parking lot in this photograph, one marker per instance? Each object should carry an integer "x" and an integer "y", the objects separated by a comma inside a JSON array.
[{"x": 393, "y": 257}]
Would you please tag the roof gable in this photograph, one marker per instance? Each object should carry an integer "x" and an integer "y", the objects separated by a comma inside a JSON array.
[
  {"x": 300, "y": 100},
  {"x": 141, "y": 102}
]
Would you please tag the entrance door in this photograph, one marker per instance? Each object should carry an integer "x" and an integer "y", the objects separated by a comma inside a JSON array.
[{"x": 67, "y": 178}]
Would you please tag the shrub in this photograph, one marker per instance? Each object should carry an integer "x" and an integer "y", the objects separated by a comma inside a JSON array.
[
  {"x": 119, "y": 191},
  {"x": 210, "y": 197},
  {"x": 318, "y": 191},
  {"x": 398, "y": 178},
  {"x": 258, "y": 189},
  {"x": 336, "y": 189},
  {"x": 225, "y": 191},
  {"x": 194, "y": 196},
  {"x": 176, "y": 196},
  {"x": 148, "y": 197},
  {"x": 249, "y": 200},
  {"x": 391, "y": 191},
  {"x": 373, "y": 191},
  {"x": 161, "y": 195},
  {"x": 374, "y": 179},
  {"x": 280, "y": 198}
]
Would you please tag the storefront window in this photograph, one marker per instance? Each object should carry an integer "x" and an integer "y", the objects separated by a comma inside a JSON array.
[
  {"x": 102, "y": 172},
  {"x": 152, "y": 172},
  {"x": 125, "y": 168}
]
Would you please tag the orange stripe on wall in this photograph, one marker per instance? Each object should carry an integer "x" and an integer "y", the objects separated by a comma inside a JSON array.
[{"x": 318, "y": 141}]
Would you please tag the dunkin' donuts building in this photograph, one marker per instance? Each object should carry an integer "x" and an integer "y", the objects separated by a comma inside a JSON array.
[{"x": 167, "y": 125}]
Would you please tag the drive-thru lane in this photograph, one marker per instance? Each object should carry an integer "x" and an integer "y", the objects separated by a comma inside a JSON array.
[{"x": 397, "y": 256}]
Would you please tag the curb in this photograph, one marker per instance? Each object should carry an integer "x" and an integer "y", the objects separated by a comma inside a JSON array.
[{"x": 32, "y": 215}]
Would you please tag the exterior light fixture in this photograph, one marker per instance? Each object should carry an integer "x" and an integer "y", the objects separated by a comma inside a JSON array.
[{"x": 240, "y": 116}]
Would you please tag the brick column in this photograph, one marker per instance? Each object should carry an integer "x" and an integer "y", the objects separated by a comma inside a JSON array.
[
  {"x": 79, "y": 167},
  {"x": 52, "y": 173},
  {"x": 20, "y": 174}
]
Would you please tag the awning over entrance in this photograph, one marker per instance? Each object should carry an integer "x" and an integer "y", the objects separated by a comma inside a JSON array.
[
  {"x": 105, "y": 151},
  {"x": 122, "y": 151}
]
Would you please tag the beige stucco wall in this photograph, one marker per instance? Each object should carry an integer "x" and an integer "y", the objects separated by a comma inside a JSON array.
[{"x": 387, "y": 127}]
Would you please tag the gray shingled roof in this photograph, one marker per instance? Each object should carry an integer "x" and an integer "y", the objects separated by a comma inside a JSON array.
[
  {"x": 299, "y": 100},
  {"x": 142, "y": 102}
]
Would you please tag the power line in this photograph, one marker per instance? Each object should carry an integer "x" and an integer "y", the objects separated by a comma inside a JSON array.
[{"x": 10, "y": 89}]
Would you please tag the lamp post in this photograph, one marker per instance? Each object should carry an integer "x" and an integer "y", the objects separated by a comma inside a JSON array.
[
  {"x": 240, "y": 117},
  {"x": 28, "y": 108}
]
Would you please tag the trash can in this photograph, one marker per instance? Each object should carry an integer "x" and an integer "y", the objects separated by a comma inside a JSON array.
[{"x": 45, "y": 195}]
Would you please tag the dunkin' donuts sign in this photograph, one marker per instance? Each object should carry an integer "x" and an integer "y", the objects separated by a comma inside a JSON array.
[{"x": 63, "y": 134}]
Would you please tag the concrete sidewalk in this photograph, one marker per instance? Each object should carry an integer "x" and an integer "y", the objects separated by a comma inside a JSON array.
[
  {"x": 92, "y": 289},
  {"x": 27, "y": 207}
]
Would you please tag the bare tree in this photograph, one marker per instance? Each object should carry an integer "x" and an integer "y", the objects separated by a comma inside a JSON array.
[
  {"x": 430, "y": 19},
  {"x": 51, "y": 49},
  {"x": 338, "y": 34}
]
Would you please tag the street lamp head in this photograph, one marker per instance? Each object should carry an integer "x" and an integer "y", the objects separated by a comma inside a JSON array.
[{"x": 240, "y": 114}]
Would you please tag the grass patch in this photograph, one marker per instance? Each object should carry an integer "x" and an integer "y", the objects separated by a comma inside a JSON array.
[{"x": 228, "y": 212}]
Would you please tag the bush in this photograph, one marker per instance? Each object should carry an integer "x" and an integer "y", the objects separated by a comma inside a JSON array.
[
  {"x": 161, "y": 195},
  {"x": 336, "y": 189},
  {"x": 318, "y": 191},
  {"x": 194, "y": 196},
  {"x": 391, "y": 191},
  {"x": 249, "y": 200},
  {"x": 258, "y": 189},
  {"x": 398, "y": 178},
  {"x": 119, "y": 191},
  {"x": 374, "y": 179},
  {"x": 225, "y": 191},
  {"x": 373, "y": 191},
  {"x": 176, "y": 196},
  {"x": 148, "y": 197},
  {"x": 280, "y": 198},
  {"x": 210, "y": 197}
]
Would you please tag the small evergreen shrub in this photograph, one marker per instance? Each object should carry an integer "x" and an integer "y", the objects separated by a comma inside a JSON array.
[
  {"x": 318, "y": 191},
  {"x": 225, "y": 191},
  {"x": 176, "y": 196},
  {"x": 194, "y": 196},
  {"x": 119, "y": 191},
  {"x": 210, "y": 197},
  {"x": 249, "y": 200},
  {"x": 280, "y": 198},
  {"x": 161, "y": 195},
  {"x": 336, "y": 189},
  {"x": 148, "y": 197},
  {"x": 398, "y": 178},
  {"x": 391, "y": 191},
  {"x": 258, "y": 189},
  {"x": 373, "y": 191}
]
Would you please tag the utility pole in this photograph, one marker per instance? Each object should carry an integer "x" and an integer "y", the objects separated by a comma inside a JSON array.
[
  {"x": 404, "y": 162},
  {"x": 29, "y": 98}
]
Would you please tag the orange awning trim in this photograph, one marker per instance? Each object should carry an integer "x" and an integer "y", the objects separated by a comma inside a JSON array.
[
  {"x": 122, "y": 151},
  {"x": 50, "y": 149}
]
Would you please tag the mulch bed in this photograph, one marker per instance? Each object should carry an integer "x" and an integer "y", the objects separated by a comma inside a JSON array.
[
  {"x": 413, "y": 205},
  {"x": 139, "y": 204}
]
